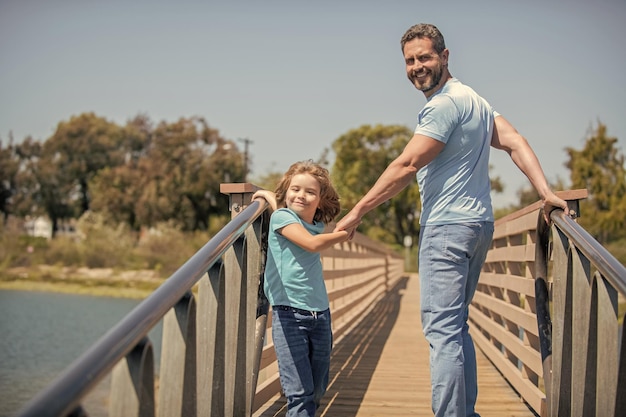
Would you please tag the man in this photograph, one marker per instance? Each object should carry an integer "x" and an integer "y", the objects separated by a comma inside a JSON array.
[{"x": 449, "y": 154}]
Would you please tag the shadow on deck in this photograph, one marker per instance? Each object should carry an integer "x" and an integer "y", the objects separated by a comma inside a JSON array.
[{"x": 380, "y": 367}]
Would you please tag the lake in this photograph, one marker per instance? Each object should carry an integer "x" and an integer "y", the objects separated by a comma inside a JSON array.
[{"x": 42, "y": 332}]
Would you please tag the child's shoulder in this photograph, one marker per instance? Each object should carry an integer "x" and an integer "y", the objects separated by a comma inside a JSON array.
[{"x": 284, "y": 214}]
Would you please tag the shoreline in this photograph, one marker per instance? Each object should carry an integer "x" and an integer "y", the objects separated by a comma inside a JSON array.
[
  {"x": 98, "y": 291},
  {"x": 101, "y": 282}
]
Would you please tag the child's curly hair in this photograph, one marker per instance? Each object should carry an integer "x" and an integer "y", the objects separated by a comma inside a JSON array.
[{"x": 329, "y": 206}]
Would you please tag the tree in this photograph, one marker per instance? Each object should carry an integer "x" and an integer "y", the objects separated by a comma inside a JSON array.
[
  {"x": 43, "y": 188},
  {"x": 268, "y": 181},
  {"x": 79, "y": 149},
  {"x": 116, "y": 191},
  {"x": 528, "y": 195},
  {"x": 362, "y": 154},
  {"x": 9, "y": 168},
  {"x": 180, "y": 174},
  {"x": 599, "y": 167}
]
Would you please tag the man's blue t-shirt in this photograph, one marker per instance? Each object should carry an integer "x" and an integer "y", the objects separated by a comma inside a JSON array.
[
  {"x": 455, "y": 186},
  {"x": 293, "y": 276}
]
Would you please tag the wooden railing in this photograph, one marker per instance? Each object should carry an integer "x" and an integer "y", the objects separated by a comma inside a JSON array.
[
  {"x": 214, "y": 352},
  {"x": 535, "y": 276},
  {"x": 357, "y": 273},
  {"x": 217, "y": 358}
]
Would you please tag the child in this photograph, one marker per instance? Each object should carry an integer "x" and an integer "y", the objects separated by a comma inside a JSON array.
[{"x": 294, "y": 284}]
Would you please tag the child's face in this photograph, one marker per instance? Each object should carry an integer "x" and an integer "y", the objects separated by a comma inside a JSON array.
[{"x": 303, "y": 196}]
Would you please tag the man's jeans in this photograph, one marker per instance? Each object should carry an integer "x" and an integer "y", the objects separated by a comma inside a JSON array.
[
  {"x": 450, "y": 260},
  {"x": 303, "y": 342}
]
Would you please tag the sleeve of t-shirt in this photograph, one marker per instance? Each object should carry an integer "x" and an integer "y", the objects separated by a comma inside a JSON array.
[
  {"x": 283, "y": 217},
  {"x": 438, "y": 118}
]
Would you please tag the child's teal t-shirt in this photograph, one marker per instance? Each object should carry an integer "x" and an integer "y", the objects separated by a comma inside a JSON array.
[{"x": 293, "y": 276}]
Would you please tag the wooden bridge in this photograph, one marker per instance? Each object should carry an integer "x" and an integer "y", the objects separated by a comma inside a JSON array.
[
  {"x": 217, "y": 358},
  {"x": 381, "y": 368}
]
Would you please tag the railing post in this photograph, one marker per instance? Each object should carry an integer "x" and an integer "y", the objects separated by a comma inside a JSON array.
[
  {"x": 239, "y": 195},
  {"x": 244, "y": 265},
  {"x": 584, "y": 350}
]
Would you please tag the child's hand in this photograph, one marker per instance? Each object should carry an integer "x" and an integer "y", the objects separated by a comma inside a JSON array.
[
  {"x": 268, "y": 196},
  {"x": 350, "y": 232}
]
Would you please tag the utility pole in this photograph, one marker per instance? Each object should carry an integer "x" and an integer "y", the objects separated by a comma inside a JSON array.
[{"x": 246, "y": 142}]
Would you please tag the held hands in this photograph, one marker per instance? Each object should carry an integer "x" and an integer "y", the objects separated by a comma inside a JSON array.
[
  {"x": 348, "y": 223},
  {"x": 350, "y": 232}
]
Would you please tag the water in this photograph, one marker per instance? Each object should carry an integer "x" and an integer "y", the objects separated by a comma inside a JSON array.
[{"x": 41, "y": 333}]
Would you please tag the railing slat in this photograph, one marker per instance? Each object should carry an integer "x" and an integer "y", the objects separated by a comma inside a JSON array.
[
  {"x": 210, "y": 339},
  {"x": 234, "y": 377},
  {"x": 608, "y": 340},
  {"x": 132, "y": 383},
  {"x": 583, "y": 326},
  {"x": 177, "y": 387}
]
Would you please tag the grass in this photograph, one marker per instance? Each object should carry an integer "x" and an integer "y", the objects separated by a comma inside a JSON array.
[
  {"x": 99, "y": 260},
  {"x": 99, "y": 282},
  {"x": 76, "y": 288}
]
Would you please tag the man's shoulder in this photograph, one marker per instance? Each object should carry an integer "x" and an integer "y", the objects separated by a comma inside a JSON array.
[
  {"x": 459, "y": 94},
  {"x": 454, "y": 87}
]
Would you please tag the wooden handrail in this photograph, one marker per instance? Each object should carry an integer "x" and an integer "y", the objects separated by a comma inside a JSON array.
[
  {"x": 545, "y": 313},
  {"x": 214, "y": 358}
]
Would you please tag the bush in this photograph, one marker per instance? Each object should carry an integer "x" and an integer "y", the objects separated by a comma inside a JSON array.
[
  {"x": 618, "y": 249},
  {"x": 103, "y": 246},
  {"x": 62, "y": 251},
  {"x": 17, "y": 249},
  {"x": 165, "y": 248}
]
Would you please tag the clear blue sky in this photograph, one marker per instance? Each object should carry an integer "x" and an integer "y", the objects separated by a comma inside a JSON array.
[{"x": 293, "y": 76}]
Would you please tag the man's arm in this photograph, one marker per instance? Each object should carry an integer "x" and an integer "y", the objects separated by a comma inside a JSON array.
[
  {"x": 418, "y": 152},
  {"x": 507, "y": 138},
  {"x": 298, "y": 234}
]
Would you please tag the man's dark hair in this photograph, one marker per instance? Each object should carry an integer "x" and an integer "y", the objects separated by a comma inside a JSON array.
[{"x": 424, "y": 30}]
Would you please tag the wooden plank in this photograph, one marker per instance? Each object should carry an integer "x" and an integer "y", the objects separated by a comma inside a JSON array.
[
  {"x": 521, "y": 285},
  {"x": 517, "y": 315},
  {"x": 530, "y": 357},
  {"x": 380, "y": 367},
  {"x": 521, "y": 253}
]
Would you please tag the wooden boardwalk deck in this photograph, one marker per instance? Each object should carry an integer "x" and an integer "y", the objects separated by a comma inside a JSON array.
[{"x": 380, "y": 368}]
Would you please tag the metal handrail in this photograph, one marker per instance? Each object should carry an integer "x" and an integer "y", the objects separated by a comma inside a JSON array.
[
  {"x": 63, "y": 395},
  {"x": 605, "y": 263},
  {"x": 602, "y": 260}
]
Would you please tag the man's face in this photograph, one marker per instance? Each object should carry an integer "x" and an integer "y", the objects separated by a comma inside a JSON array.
[{"x": 424, "y": 66}]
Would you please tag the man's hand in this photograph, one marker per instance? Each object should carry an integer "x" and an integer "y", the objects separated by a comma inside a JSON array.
[
  {"x": 349, "y": 221},
  {"x": 551, "y": 202}
]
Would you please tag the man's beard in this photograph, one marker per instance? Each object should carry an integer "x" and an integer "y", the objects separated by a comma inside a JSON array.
[{"x": 435, "y": 78}]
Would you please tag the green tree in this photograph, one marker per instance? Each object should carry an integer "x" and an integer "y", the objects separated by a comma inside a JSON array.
[
  {"x": 528, "y": 195},
  {"x": 599, "y": 167},
  {"x": 80, "y": 148},
  {"x": 497, "y": 186},
  {"x": 181, "y": 173},
  {"x": 9, "y": 168},
  {"x": 43, "y": 187},
  {"x": 362, "y": 154},
  {"x": 268, "y": 181},
  {"x": 116, "y": 191}
]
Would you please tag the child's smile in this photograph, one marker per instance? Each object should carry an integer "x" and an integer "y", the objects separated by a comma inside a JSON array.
[{"x": 303, "y": 196}]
